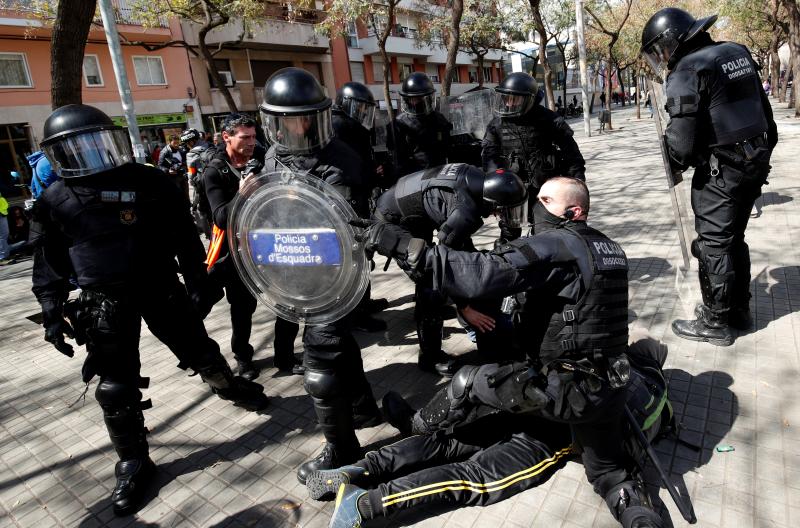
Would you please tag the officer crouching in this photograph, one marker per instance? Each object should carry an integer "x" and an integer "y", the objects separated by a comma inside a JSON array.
[
  {"x": 118, "y": 227},
  {"x": 569, "y": 283}
]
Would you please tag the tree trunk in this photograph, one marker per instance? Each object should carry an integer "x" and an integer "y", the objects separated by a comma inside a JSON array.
[
  {"x": 542, "y": 32},
  {"x": 70, "y": 31},
  {"x": 774, "y": 71},
  {"x": 208, "y": 60},
  {"x": 564, "y": 89},
  {"x": 793, "y": 13},
  {"x": 607, "y": 87},
  {"x": 452, "y": 46},
  {"x": 481, "y": 80},
  {"x": 387, "y": 96},
  {"x": 620, "y": 76},
  {"x": 636, "y": 95}
]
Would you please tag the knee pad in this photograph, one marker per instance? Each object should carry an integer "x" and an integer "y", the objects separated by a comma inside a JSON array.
[
  {"x": 321, "y": 384},
  {"x": 461, "y": 385},
  {"x": 110, "y": 393}
]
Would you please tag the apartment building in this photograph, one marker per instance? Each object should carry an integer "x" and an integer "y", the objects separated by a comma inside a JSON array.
[
  {"x": 161, "y": 82},
  {"x": 407, "y": 54}
]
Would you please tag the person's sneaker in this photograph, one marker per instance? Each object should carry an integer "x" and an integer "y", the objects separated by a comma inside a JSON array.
[
  {"x": 439, "y": 363},
  {"x": 247, "y": 370},
  {"x": 698, "y": 330},
  {"x": 133, "y": 476},
  {"x": 369, "y": 324},
  {"x": 345, "y": 511},
  {"x": 376, "y": 305},
  {"x": 328, "y": 458},
  {"x": 322, "y": 485},
  {"x": 398, "y": 412},
  {"x": 472, "y": 335}
]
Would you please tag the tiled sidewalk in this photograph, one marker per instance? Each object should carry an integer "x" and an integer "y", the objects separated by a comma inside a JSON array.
[{"x": 221, "y": 466}]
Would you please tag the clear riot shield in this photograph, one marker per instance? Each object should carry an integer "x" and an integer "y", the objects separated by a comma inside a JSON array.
[
  {"x": 469, "y": 113},
  {"x": 678, "y": 188},
  {"x": 295, "y": 250}
]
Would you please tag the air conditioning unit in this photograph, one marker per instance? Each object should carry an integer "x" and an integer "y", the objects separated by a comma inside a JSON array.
[{"x": 227, "y": 77}]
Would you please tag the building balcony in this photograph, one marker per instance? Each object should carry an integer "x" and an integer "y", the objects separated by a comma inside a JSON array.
[
  {"x": 280, "y": 29},
  {"x": 396, "y": 45}
]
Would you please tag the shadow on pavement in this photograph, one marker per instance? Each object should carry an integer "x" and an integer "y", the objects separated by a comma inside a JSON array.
[
  {"x": 770, "y": 290},
  {"x": 705, "y": 409}
]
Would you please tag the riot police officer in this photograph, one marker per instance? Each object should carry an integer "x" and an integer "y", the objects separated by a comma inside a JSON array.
[
  {"x": 569, "y": 282},
  {"x": 353, "y": 116},
  {"x": 528, "y": 139},
  {"x": 118, "y": 227},
  {"x": 421, "y": 134},
  {"x": 297, "y": 117},
  {"x": 720, "y": 123},
  {"x": 452, "y": 200}
]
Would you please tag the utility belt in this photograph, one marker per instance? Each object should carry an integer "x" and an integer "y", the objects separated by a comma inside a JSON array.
[
  {"x": 94, "y": 315},
  {"x": 739, "y": 154},
  {"x": 616, "y": 371}
]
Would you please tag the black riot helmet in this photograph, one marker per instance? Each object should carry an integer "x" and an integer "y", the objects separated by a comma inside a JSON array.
[
  {"x": 357, "y": 101},
  {"x": 418, "y": 94},
  {"x": 296, "y": 111},
  {"x": 498, "y": 190},
  {"x": 80, "y": 140},
  {"x": 665, "y": 31},
  {"x": 515, "y": 95}
]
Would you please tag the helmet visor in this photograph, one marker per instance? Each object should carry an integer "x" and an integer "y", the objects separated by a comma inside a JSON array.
[
  {"x": 514, "y": 216},
  {"x": 89, "y": 153},
  {"x": 299, "y": 134},
  {"x": 511, "y": 105},
  {"x": 419, "y": 105},
  {"x": 361, "y": 111},
  {"x": 657, "y": 55}
]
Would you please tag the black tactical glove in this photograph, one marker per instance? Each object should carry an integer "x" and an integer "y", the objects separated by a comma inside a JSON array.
[
  {"x": 252, "y": 167},
  {"x": 204, "y": 292},
  {"x": 56, "y": 327},
  {"x": 380, "y": 237}
]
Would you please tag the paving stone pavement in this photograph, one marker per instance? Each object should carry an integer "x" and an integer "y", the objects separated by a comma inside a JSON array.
[{"x": 221, "y": 466}]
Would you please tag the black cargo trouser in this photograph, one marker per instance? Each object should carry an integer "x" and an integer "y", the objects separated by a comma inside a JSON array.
[
  {"x": 722, "y": 206},
  {"x": 111, "y": 321},
  {"x": 478, "y": 466},
  {"x": 335, "y": 380}
]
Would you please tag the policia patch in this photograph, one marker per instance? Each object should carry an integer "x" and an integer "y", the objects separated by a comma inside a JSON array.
[{"x": 608, "y": 255}]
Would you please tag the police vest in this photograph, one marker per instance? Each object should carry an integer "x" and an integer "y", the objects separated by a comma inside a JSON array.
[
  {"x": 427, "y": 138},
  {"x": 528, "y": 151},
  {"x": 115, "y": 226},
  {"x": 734, "y": 109},
  {"x": 596, "y": 326}
]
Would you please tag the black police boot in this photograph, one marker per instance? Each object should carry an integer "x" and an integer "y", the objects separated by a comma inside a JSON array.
[
  {"x": 323, "y": 484},
  {"x": 330, "y": 457},
  {"x": 709, "y": 327},
  {"x": 133, "y": 477},
  {"x": 630, "y": 505},
  {"x": 739, "y": 317},
  {"x": 438, "y": 362},
  {"x": 334, "y": 414},
  {"x": 247, "y": 370},
  {"x": 398, "y": 412},
  {"x": 294, "y": 366},
  {"x": 122, "y": 413},
  {"x": 243, "y": 393}
]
